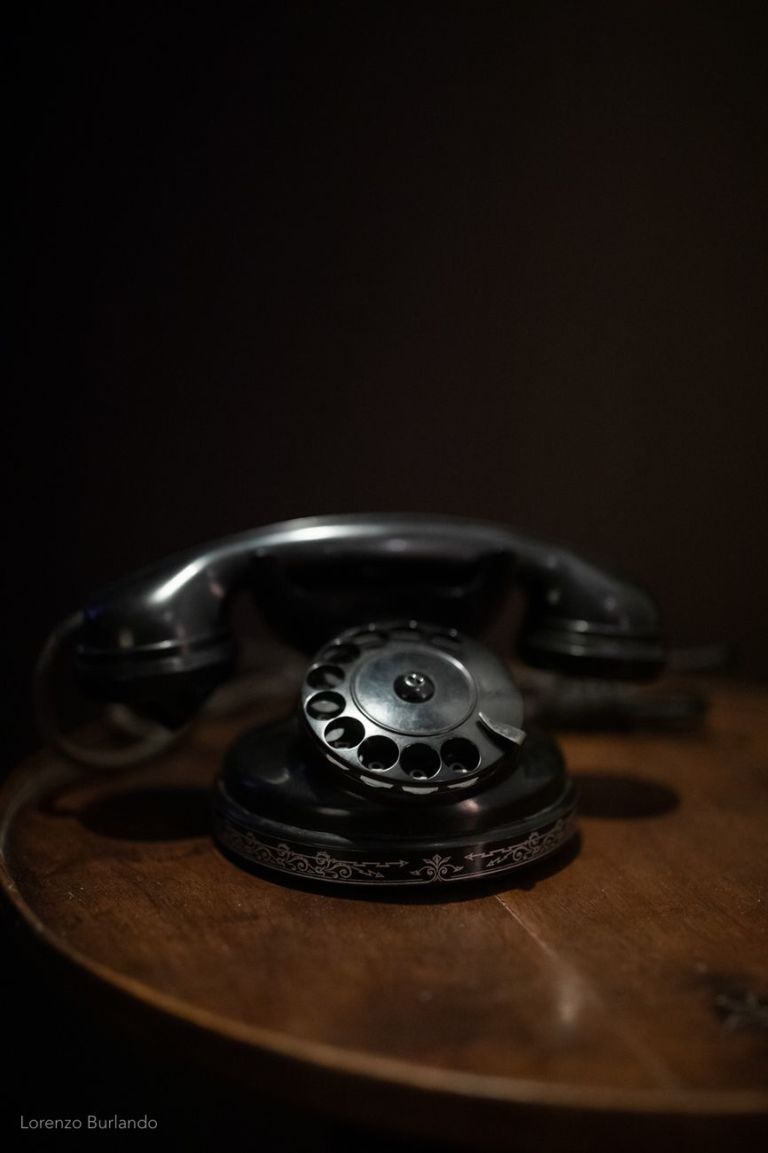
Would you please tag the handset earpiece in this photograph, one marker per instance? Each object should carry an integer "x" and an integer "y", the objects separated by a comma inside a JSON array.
[
  {"x": 584, "y": 621},
  {"x": 160, "y": 642},
  {"x": 168, "y": 687}
]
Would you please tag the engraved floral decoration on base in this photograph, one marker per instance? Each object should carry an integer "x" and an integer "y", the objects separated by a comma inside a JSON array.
[
  {"x": 320, "y": 864},
  {"x": 535, "y": 845},
  {"x": 436, "y": 869}
]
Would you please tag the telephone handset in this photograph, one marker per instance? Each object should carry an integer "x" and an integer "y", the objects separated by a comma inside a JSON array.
[{"x": 407, "y": 762}]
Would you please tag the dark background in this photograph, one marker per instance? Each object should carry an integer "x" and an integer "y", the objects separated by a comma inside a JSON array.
[{"x": 505, "y": 261}]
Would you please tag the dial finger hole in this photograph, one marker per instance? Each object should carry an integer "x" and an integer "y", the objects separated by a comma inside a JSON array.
[
  {"x": 326, "y": 705},
  {"x": 340, "y": 654},
  {"x": 406, "y": 632},
  {"x": 460, "y": 755},
  {"x": 378, "y": 753},
  {"x": 420, "y": 762},
  {"x": 345, "y": 733},
  {"x": 325, "y": 677},
  {"x": 370, "y": 639},
  {"x": 446, "y": 640}
]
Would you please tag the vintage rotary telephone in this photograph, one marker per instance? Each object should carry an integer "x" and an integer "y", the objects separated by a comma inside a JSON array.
[{"x": 407, "y": 762}]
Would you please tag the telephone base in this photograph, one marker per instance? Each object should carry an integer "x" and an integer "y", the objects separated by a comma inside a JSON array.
[{"x": 278, "y": 808}]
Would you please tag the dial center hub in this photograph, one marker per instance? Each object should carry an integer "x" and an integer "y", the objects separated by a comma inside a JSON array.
[{"x": 414, "y": 687}]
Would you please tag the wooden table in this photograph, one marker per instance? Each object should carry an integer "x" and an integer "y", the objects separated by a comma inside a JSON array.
[{"x": 617, "y": 993}]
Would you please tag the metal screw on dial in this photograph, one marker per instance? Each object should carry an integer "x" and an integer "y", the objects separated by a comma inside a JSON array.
[{"x": 414, "y": 686}]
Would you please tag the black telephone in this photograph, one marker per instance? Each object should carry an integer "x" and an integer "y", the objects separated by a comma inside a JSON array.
[{"x": 406, "y": 762}]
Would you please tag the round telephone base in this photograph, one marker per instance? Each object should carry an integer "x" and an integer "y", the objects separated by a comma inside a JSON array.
[{"x": 277, "y": 808}]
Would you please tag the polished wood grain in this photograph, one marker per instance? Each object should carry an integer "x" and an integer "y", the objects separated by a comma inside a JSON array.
[{"x": 625, "y": 979}]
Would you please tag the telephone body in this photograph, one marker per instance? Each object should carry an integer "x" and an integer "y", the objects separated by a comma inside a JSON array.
[{"x": 407, "y": 762}]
